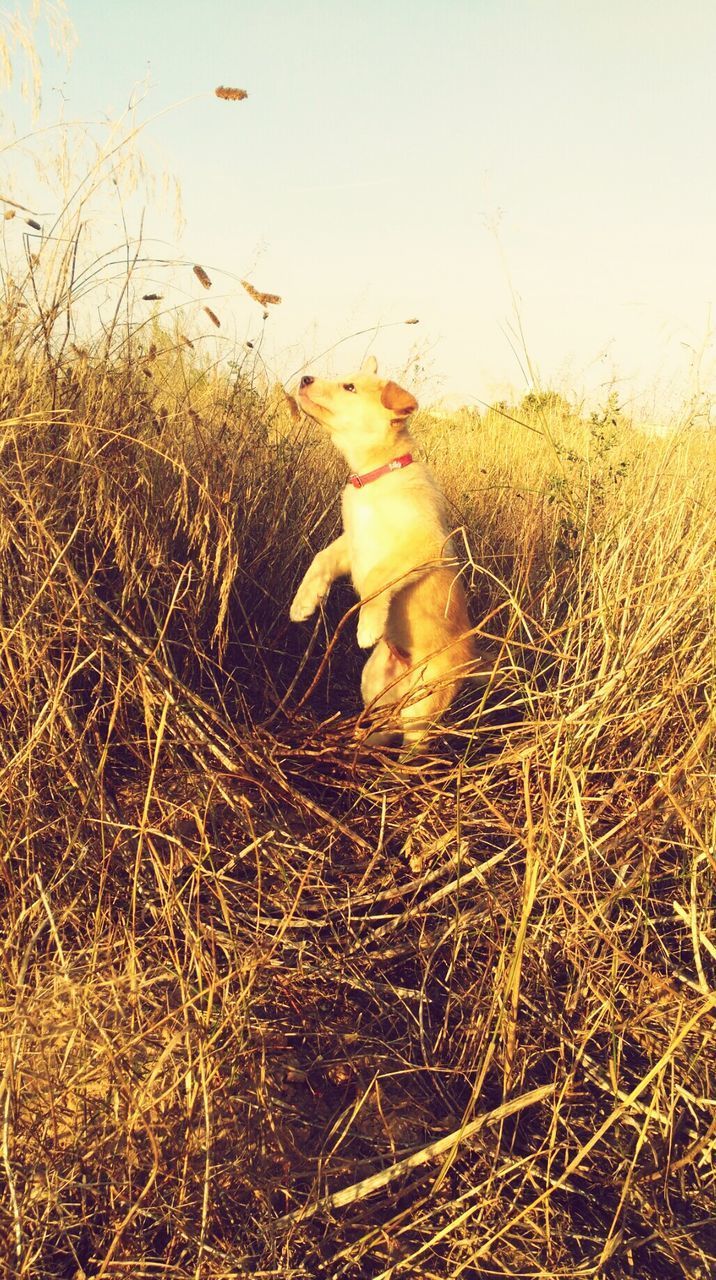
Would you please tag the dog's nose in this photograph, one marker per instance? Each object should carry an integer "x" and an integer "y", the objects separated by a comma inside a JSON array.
[{"x": 306, "y": 380}]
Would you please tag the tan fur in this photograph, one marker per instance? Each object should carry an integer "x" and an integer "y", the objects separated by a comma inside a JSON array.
[{"x": 395, "y": 546}]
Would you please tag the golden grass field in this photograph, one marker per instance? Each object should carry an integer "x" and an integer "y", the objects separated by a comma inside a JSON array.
[{"x": 271, "y": 1006}]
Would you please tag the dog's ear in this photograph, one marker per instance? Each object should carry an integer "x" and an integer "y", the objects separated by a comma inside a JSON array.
[
  {"x": 399, "y": 401},
  {"x": 370, "y": 365}
]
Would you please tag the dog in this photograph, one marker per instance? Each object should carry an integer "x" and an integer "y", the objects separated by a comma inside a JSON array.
[{"x": 396, "y": 547}]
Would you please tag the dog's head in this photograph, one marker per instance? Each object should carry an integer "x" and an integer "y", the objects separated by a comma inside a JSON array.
[{"x": 360, "y": 407}]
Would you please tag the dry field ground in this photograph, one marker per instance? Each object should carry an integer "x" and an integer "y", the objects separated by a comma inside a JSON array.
[{"x": 273, "y": 1007}]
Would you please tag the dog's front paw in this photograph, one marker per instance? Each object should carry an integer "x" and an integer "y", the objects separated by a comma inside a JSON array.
[
  {"x": 304, "y": 603},
  {"x": 308, "y": 597},
  {"x": 301, "y": 608},
  {"x": 371, "y": 625}
]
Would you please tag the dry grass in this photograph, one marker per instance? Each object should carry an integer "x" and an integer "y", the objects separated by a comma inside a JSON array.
[{"x": 273, "y": 1008}]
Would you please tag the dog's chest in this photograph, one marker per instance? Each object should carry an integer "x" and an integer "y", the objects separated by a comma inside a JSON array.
[
  {"x": 387, "y": 519},
  {"x": 366, "y": 528}
]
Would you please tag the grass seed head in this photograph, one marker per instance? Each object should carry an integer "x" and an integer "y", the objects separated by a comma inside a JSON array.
[
  {"x": 202, "y": 276},
  {"x": 230, "y": 95},
  {"x": 293, "y": 408},
  {"x": 263, "y": 299}
]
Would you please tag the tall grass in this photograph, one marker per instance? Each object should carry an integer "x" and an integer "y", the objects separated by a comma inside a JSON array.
[{"x": 272, "y": 1006}]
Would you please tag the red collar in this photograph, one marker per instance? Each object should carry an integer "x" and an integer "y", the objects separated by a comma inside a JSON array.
[{"x": 397, "y": 463}]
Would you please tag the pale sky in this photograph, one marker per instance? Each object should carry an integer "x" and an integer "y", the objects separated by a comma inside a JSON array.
[{"x": 444, "y": 160}]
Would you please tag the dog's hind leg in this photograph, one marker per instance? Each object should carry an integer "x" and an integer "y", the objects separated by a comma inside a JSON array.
[
  {"x": 440, "y": 680},
  {"x": 418, "y": 718},
  {"x": 383, "y": 683}
]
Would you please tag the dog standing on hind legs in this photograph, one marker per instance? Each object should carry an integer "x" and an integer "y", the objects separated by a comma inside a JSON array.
[{"x": 396, "y": 547}]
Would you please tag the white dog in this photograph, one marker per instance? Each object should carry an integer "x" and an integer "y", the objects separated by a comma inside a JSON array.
[{"x": 397, "y": 549}]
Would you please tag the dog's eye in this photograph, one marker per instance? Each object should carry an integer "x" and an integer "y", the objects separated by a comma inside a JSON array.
[{"x": 348, "y": 386}]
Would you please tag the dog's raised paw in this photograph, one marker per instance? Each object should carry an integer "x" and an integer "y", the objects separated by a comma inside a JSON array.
[
  {"x": 300, "y": 610},
  {"x": 304, "y": 604},
  {"x": 311, "y": 592},
  {"x": 371, "y": 625}
]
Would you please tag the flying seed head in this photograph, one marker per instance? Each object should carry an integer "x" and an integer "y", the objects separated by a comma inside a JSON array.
[
  {"x": 230, "y": 95},
  {"x": 202, "y": 276},
  {"x": 263, "y": 299},
  {"x": 213, "y": 317}
]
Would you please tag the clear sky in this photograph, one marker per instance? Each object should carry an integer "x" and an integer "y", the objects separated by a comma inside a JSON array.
[{"x": 445, "y": 160}]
